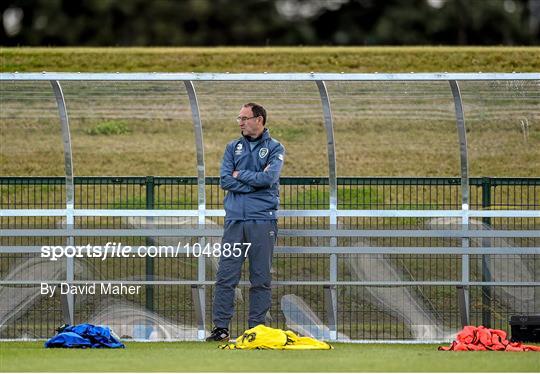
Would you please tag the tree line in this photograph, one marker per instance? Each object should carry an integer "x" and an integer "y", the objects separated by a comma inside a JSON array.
[{"x": 269, "y": 22}]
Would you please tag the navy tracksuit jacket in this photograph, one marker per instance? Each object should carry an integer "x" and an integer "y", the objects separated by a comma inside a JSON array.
[
  {"x": 250, "y": 205},
  {"x": 253, "y": 194}
]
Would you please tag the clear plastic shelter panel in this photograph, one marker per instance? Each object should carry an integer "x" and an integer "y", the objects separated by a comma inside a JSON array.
[
  {"x": 399, "y": 129},
  {"x": 30, "y": 130},
  {"x": 294, "y": 117},
  {"x": 503, "y": 127},
  {"x": 130, "y": 128}
]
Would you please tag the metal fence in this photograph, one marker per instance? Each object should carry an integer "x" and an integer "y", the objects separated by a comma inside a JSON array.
[
  {"x": 357, "y": 258},
  {"x": 364, "y": 312}
]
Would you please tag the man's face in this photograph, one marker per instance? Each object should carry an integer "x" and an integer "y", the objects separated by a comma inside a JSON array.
[{"x": 252, "y": 127}]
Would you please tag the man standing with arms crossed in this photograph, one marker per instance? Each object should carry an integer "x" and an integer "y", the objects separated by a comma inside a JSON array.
[{"x": 250, "y": 172}]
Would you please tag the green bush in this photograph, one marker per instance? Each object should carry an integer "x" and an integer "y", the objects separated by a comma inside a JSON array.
[{"x": 109, "y": 128}]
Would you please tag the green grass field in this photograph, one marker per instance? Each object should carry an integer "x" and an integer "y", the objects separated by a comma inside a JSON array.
[
  {"x": 375, "y": 124},
  {"x": 163, "y": 357},
  {"x": 273, "y": 59}
]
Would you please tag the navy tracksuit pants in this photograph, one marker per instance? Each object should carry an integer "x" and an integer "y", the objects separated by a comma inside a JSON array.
[{"x": 262, "y": 236}]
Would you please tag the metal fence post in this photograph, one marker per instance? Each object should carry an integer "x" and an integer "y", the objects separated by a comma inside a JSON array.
[
  {"x": 331, "y": 291},
  {"x": 464, "y": 171},
  {"x": 199, "y": 294},
  {"x": 486, "y": 242},
  {"x": 67, "y": 301},
  {"x": 149, "y": 241},
  {"x": 536, "y": 273}
]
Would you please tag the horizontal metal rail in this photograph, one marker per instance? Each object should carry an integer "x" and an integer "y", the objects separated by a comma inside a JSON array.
[
  {"x": 382, "y": 213},
  {"x": 180, "y": 232},
  {"x": 165, "y": 251},
  {"x": 281, "y": 283},
  {"x": 48, "y": 76},
  {"x": 349, "y": 181}
]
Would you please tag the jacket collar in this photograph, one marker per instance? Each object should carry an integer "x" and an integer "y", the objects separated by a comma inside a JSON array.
[{"x": 265, "y": 135}]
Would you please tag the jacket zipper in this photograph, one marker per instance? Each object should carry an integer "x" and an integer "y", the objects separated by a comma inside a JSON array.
[
  {"x": 243, "y": 197},
  {"x": 253, "y": 160}
]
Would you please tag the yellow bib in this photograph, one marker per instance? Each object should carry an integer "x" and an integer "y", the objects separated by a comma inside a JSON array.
[{"x": 263, "y": 337}]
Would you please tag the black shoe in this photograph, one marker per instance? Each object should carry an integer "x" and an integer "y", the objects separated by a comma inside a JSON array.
[{"x": 219, "y": 334}]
